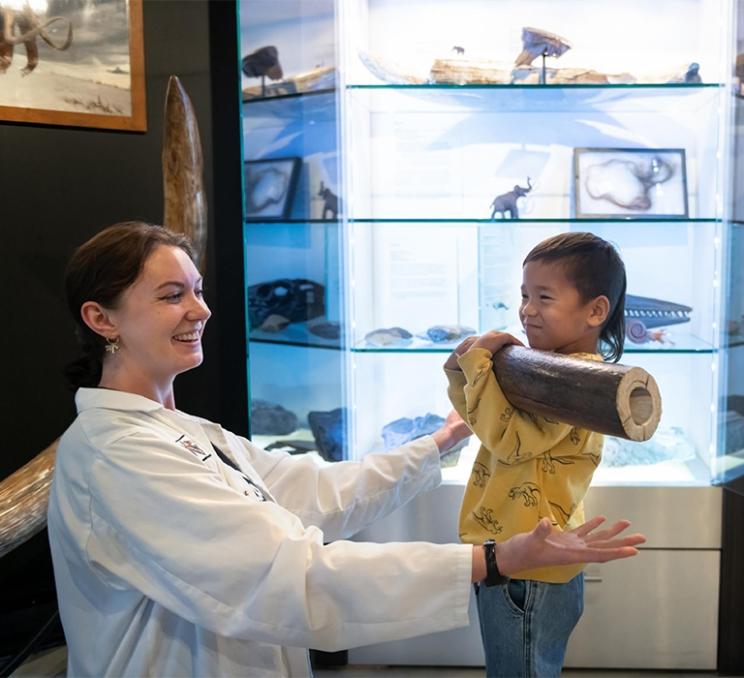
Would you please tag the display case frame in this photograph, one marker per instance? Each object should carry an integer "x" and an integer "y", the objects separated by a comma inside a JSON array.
[{"x": 379, "y": 210}]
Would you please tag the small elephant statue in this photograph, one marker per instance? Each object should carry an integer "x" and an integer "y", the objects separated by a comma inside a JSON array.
[
  {"x": 507, "y": 202},
  {"x": 330, "y": 202}
]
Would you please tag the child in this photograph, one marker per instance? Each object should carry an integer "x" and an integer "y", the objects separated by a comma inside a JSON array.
[{"x": 529, "y": 467}]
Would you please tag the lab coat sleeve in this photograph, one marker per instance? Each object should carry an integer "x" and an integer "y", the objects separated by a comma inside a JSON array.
[
  {"x": 344, "y": 497},
  {"x": 163, "y": 523}
]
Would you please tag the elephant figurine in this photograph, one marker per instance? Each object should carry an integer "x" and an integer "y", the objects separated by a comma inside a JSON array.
[
  {"x": 330, "y": 202},
  {"x": 507, "y": 202}
]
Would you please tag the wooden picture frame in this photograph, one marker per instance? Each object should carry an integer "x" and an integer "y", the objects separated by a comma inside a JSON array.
[
  {"x": 90, "y": 77},
  {"x": 270, "y": 187},
  {"x": 630, "y": 183}
]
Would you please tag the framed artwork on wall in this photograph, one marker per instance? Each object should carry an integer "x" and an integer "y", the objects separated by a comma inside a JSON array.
[
  {"x": 270, "y": 187},
  {"x": 630, "y": 183},
  {"x": 71, "y": 63}
]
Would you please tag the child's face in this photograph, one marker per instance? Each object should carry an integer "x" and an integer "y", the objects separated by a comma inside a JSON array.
[{"x": 553, "y": 314}]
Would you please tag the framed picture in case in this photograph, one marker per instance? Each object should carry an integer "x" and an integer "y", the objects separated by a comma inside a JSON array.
[
  {"x": 270, "y": 187},
  {"x": 630, "y": 183}
]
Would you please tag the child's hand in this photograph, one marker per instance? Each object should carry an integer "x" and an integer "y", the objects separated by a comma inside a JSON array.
[
  {"x": 494, "y": 341},
  {"x": 463, "y": 346}
]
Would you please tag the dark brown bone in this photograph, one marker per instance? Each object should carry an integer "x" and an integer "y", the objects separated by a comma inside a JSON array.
[{"x": 605, "y": 397}]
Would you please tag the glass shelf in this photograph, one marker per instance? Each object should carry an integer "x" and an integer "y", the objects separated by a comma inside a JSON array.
[
  {"x": 252, "y": 223},
  {"x": 505, "y": 86},
  {"x": 309, "y": 107},
  {"x": 279, "y": 341},
  {"x": 500, "y": 99},
  {"x": 521, "y": 222},
  {"x": 683, "y": 344},
  {"x": 295, "y": 334},
  {"x": 294, "y": 95}
]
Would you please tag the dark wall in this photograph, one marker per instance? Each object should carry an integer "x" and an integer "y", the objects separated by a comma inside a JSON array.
[{"x": 59, "y": 186}]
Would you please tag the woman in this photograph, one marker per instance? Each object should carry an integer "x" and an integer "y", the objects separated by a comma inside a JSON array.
[{"x": 182, "y": 549}]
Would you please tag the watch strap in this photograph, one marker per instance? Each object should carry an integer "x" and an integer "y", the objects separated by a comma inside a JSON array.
[{"x": 493, "y": 576}]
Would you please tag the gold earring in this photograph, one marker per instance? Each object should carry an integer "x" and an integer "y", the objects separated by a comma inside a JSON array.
[{"x": 112, "y": 345}]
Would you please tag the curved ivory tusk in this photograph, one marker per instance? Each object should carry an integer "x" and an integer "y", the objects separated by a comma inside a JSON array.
[
  {"x": 39, "y": 30},
  {"x": 23, "y": 500},
  {"x": 185, "y": 209},
  {"x": 48, "y": 40}
]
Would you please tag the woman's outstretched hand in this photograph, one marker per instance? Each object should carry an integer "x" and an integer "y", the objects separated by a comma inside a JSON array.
[
  {"x": 451, "y": 432},
  {"x": 546, "y": 546}
]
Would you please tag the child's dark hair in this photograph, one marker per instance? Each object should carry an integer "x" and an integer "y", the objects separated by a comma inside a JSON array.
[
  {"x": 595, "y": 268},
  {"x": 100, "y": 270}
]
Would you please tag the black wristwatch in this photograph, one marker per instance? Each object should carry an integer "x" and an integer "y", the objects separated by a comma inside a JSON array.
[{"x": 493, "y": 576}]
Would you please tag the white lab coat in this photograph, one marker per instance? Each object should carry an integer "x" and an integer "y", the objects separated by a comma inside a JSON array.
[{"x": 170, "y": 563}]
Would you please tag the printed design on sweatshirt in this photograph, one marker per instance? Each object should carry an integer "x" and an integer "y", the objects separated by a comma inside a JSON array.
[
  {"x": 191, "y": 446},
  {"x": 574, "y": 436},
  {"x": 529, "y": 492},
  {"x": 595, "y": 458},
  {"x": 549, "y": 462},
  {"x": 513, "y": 456},
  {"x": 481, "y": 474},
  {"x": 470, "y": 410},
  {"x": 560, "y": 511},
  {"x": 485, "y": 518},
  {"x": 507, "y": 414}
]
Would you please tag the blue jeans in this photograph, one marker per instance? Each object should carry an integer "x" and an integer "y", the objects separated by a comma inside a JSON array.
[{"x": 525, "y": 625}]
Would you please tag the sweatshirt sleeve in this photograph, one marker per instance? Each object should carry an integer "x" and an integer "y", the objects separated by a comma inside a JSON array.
[
  {"x": 165, "y": 524},
  {"x": 456, "y": 382},
  {"x": 513, "y": 435}
]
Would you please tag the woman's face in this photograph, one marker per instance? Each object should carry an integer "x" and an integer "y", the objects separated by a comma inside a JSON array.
[{"x": 161, "y": 317}]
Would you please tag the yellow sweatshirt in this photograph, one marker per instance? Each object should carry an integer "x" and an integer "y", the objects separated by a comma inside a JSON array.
[{"x": 528, "y": 467}]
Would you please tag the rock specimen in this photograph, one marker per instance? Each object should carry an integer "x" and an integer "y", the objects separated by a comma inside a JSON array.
[
  {"x": 388, "y": 336},
  {"x": 271, "y": 419},
  {"x": 328, "y": 430},
  {"x": 440, "y": 334},
  {"x": 327, "y": 329},
  {"x": 274, "y": 323}
]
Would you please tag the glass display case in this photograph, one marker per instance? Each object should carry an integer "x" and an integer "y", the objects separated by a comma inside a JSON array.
[
  {"x": 438, "y": 121},
  {"x": 731, "y": 404},
  {"x": 435, "y": 143},
  {"x": 293, "y": 231},
  {"x": 416, "y": 134}
]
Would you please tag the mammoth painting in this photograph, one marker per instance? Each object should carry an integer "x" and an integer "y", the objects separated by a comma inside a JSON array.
[
  {"x": 72, "y": 62},
  {"x": 24, "y": 26}
]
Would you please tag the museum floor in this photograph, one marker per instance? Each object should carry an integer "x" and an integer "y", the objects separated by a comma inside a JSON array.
[{"x": 52, "y": 663}]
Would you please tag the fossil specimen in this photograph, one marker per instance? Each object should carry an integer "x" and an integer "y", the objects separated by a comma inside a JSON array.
[
  {"x": 627, "y": 183},
  {"x": 537, "y": 42}
]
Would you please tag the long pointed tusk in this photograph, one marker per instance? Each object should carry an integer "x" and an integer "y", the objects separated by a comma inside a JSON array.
[{"x": 183, "y": 185}]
